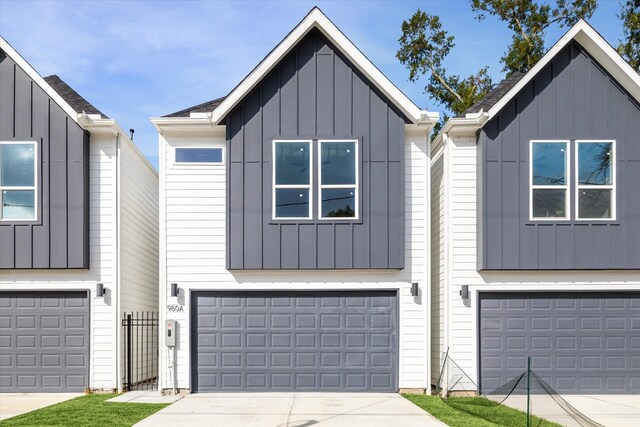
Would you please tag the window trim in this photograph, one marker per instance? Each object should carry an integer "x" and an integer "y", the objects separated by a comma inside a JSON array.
[
  {"x": 275, "y": 186},
  {"x": 196, "y": 164},
  {"x": 611, "y": 186},
  {"x": 356, "y": 185},
  {"x": 566, "y": 186},
  {"x": 36, "y": 206}
]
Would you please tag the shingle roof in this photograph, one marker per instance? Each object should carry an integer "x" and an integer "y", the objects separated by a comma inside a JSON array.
[
  {"x": 200, "y": 108},
  {"x": 78, "y": 103},
  {"x": 495, "y": 94}
]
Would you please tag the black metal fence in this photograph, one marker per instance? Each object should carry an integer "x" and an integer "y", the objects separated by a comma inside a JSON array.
[{"x": 140, "y": 350}]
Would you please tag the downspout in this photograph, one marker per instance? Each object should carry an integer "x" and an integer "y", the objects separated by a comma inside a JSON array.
[
  {"x": 427, "y": 243},
  {"x": 118, "y": 281}
]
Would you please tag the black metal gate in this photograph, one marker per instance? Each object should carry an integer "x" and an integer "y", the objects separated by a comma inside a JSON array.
[{"x": 140, "y": 355}]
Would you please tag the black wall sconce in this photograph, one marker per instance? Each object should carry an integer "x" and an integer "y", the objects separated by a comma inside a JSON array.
[
  {"x": 100, "y": 290},
  {"x": 414, "y": 289},
  {"x": 174, "y": 289},
  {"x": 464, "y": 292}
]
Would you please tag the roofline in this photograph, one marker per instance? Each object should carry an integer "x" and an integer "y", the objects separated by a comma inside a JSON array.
[
  {"x": 200, "y": 123},
  {"x": 38, "y": 79},
  {"x": 316, "y": 19},
  {"x": 597, "y": 46},
  {"x": 588, "y": 38},
  {"x": 97, "y": 126}
]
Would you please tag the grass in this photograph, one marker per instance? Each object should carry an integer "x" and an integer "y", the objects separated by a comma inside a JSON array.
[
  {"x": 474, "y": 412},
  {"x": 89, "y": 410}
]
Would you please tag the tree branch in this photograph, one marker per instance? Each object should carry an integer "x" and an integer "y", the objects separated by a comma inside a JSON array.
[{"x": 444, "y": 83}]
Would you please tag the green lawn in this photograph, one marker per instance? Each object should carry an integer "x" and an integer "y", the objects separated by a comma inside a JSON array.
[
  {"x": 89, "y": 410},
  {"x": 474, "y": 412}
]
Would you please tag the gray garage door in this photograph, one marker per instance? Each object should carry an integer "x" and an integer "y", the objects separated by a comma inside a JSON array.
[
  {"x": 579, "y": 343},
  {"x": 307, "y": 341},
  {"x": 44, "y": 341}
]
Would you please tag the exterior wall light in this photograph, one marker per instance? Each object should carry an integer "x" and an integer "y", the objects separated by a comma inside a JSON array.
[
  {"x": 174, "y": 290},
  {"x": 414, "y": 289},
  {"x": 100, "y": 290},
  {"x": 464, "y": 292}
]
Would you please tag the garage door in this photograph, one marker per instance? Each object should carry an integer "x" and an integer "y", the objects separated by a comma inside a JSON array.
[
  {"x": 579, "y": 343},
  {"x": 307, "y": 341},
  {"x": 44, "y": 341}
]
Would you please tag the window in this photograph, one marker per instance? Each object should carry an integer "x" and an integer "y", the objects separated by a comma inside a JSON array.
[
  {"x": 595, "y": 187},
  {"x": 203, "y": 155},
  {"x": 292, "y": 177},
  {"x": 549, "y": 183},
  {"x": 18, "y": 176},
  {"x": 338, "y": 179}
]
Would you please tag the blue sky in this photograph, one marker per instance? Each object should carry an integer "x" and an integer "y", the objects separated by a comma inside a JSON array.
[{"x": 139, "y": 59}]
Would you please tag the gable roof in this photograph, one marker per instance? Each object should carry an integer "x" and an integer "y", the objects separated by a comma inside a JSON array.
[
  {"x": 200, "y": 108},
  {"x": 316, "y": 19},
  {"x": 597, "y": 47},
  {"x": 77, "y": 102},
  {"x": 495, "y": 94},
  {"x": 37, "y": 78}
]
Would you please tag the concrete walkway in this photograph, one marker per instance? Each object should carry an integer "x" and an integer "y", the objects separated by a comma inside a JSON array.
[
  {"x": 292, "y": 410},
  {"x": 143, "y": 396},
  {"x": 12, "y": 404}
]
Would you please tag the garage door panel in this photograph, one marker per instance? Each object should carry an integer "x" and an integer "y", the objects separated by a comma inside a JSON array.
[
  {"x": 584, "y": 343},
  {"x": 315, "y": 341},
  {"x": 44, "y": 340}
]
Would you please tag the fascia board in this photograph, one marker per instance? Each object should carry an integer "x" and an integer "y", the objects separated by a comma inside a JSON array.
[
  {"x": 597, "y": 47},
  {"x": 37, "y": 78},
  {"x": 316, "y": 19}
]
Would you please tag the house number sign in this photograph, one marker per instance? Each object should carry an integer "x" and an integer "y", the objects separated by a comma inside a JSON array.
[{"x": 175, "y": 308}]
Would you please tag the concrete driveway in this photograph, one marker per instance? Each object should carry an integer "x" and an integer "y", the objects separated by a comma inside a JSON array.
[
  {"x": 292, "y": 410},
  {"x": 12, "y": 404},
  {"x": 610, "y": 410}
]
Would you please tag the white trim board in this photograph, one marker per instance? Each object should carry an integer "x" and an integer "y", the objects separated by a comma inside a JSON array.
[
  {"x": 37, "y": 78},
  {"x": 317, "y": 19}
]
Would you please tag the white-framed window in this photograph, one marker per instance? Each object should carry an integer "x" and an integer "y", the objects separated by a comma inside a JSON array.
[
  {"x": 18, "y": 181},
  {"x": 595, "y": 180},
  {"x": 338, "y": 179},
  {"x": 198, "y": 156},
  {"x": 549, "y": 180},
  {"x": 292, "y": 177}
]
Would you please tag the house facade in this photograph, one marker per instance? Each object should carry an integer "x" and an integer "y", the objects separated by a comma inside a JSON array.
[
  {"x": 293, "y": 229},
  {"x": 78, "y": 235},
  {"x": 535, "y": 227}
]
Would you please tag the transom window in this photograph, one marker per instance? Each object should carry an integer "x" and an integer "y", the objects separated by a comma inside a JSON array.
[
  {"x": 18, "y": 176},
  {"x": 595, "y": 180},
  {"x": 198, "y": 155},
  {"x": 549, "y": 197},
  {"x": 295, "y": 186}
]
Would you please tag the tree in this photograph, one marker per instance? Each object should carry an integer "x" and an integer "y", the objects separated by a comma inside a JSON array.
[
  {"x": 630, "y": 47},
  {"x": 529, "y": 20},
  {"x": 424, "y": 45}
]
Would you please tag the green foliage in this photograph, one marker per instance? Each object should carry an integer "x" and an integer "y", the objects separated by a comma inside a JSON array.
[
  {"x": 629, "y": 48},
  {"x": 529, "y": 20},
  {"x": 424, "y": 45},
  {"x": 474, "y": 412},
  {"x": 89, "y": 410}
]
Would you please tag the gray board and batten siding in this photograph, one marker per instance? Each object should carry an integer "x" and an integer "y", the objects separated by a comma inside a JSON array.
[
  {"x": 59, "y": 238},
  {"x": 315, "y": 93},
  {"x": 571, "y": 98}
]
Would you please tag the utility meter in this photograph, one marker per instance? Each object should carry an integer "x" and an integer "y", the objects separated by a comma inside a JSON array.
[{"x": 170, "y": 333}]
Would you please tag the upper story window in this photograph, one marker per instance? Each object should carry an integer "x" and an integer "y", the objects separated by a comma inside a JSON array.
[
  {"x": 18, "y": 174},
  {"x": 595, "y": 180},
  {"x": 549, "y": 195},
  {"x": 198, "y": 155},
  {"x": 338, "y": 179},
  {"x": 292, "y": 175}
]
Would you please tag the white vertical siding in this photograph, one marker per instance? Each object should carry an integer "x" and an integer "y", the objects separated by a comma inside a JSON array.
[
  {"x": 193, "y": 254},
  {"x": 138, "y": 205},
  {"x": 438, "y": 266},
  {"x": 102, "y": 255}
]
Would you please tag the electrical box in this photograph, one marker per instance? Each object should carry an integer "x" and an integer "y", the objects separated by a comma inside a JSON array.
[{"x": 170, "y": 333}]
